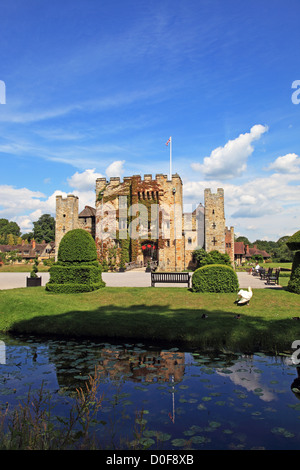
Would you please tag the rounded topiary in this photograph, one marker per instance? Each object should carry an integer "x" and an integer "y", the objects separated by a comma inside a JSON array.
[
  {"x": 215, "y": 278},
  {"x": 293, "y": 242},
  {"x": 294, "y": 281},
  {"x": 77, "y": 246},
  {"x": 77, "y": 268}
]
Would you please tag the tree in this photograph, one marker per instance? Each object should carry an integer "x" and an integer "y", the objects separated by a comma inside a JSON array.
[
  {"x": 213, "y": 257},
  {"x": 44, "y": 229},
  {"x": 8, "y": 228},
  {"x": 244, "y": 240}
]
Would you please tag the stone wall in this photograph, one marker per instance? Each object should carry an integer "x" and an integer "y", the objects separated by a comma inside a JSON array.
[{"x": 66, "y": 217}]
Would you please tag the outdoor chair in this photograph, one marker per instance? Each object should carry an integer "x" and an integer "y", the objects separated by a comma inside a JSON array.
[
  {"x": 273, "y": 278},
  {"x": 264, "y": 274}
]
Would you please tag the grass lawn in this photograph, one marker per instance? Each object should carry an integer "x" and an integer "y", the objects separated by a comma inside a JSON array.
[
  {"x": 22, "y": 268},
  {"x": 171, "y": 315}
]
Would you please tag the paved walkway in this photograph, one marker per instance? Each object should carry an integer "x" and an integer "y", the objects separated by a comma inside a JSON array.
[{"x": 129, "y": 279}]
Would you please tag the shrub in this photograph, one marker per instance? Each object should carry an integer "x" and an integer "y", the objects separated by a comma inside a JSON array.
[
  {"x": 293, "y": 242},
  {"x": 215, "y": 278},
  {"x": 77, "y": 246},
  {"x": 294, "y": 282},
  {"x": 34, "y": 270},
  {"x": 77, "y": 268},
  {"x": 204, "y": 258}
]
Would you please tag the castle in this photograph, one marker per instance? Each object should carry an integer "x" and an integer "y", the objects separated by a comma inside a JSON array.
[{"x": 139, "y": 221}]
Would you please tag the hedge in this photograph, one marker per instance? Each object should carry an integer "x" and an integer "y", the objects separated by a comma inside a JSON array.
[
  {"x": 215, "y": 278},
  {"x": 293, "y": 242},
  {"x": 77, "y": 268},
  {"x": 294, "y": 282},
  {"x": 77, "y": 246}
]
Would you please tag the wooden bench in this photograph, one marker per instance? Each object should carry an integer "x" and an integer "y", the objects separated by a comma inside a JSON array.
[
  {"x": 170, "y": 278},
  {"x": 273, "y": 277}
]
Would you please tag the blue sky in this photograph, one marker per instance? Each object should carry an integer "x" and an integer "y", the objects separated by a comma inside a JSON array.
[{"x": 95, "y": 88}]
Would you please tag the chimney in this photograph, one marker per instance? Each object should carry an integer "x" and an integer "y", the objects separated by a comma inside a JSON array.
[
  {"x": 33, "y": 244},
  {"x": 247, "y": 249}
]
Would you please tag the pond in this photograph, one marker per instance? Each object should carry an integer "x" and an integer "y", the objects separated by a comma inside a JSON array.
[{"x": 178, "y": 399}]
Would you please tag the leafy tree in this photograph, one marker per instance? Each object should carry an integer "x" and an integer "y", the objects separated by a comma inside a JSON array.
[
  {"x": 10, "y": 239},
  {"x": 6, "y": 228},
  {"x": 44, "y": 229},
  {"x": 244, "y": 240},
  {"x": 27, "y": 237},
  {"x": 203, "y": 258}
]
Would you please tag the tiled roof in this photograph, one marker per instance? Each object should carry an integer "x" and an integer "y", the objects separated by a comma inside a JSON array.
[
  {"x": 88, "y": 212},
  {"x": 239, "y": 248}
]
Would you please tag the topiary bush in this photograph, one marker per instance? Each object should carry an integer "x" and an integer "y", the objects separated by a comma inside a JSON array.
[
  {"x": 293, "y": 243},
  {"x": 294, "y": 282},
  {"x": 77, "y": 246},
  {"x": 77, "y": 268},
  {"x": 215, "y": 278}
]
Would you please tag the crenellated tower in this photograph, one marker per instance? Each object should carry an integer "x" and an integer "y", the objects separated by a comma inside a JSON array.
[{"x": 214, "y": 220}]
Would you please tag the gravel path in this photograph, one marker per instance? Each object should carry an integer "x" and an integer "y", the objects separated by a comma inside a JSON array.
[{"x": 128, "y": 279}]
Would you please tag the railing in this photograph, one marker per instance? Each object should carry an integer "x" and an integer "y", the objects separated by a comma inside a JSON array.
[{"x": 133, "y": 265}]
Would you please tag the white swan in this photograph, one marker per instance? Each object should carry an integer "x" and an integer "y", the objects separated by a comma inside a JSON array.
[{"x": 245, "y": 296}]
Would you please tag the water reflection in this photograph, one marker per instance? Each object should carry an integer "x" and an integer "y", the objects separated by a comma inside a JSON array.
[{"x": 189, "y": 399}]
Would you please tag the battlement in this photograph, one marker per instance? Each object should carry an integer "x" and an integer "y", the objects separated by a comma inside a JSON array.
[
  {"x": 208, "y": 192},
  {"x": 114, "y": 180}
]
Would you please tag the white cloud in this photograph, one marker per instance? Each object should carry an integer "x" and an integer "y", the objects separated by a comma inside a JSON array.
[
  {"x": 261, "y": 207},
  {"x": 85, "y": 180},
  {"x": 231, "y": 160},
  {"x": 115, "y": 168},
  {"x": 289, "y": 163}
]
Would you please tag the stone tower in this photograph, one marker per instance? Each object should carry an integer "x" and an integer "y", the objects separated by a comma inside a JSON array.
[
  {"x": 214, "y": 220},
  {"x": 66, "y": 217}
]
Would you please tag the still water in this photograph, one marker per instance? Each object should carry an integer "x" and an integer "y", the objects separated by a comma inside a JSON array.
[{"x": 181, "y": 399}]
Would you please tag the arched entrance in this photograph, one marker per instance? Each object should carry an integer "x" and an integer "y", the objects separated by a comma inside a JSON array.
[{"x": 150, "y": 251}]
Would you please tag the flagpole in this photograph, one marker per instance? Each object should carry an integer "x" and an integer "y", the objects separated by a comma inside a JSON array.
[{"x": 170, "y": 158}]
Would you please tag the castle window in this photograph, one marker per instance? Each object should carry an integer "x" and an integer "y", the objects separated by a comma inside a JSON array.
[
  {"x": 213, "y": 225},
  {"x": 64, "y": 229},
  {"x": 213, "y": 211},
  {"x": 189, "y": 240},
  {"x": 64, "y": 215},
  {"x": 214, "y": 241},
  {"x": 167, "y": 242}
]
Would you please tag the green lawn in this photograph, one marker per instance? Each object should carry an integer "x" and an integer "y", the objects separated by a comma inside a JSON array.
[
  {"x": 170, "y": 315},
  {"x": 22, "y": 268}
]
